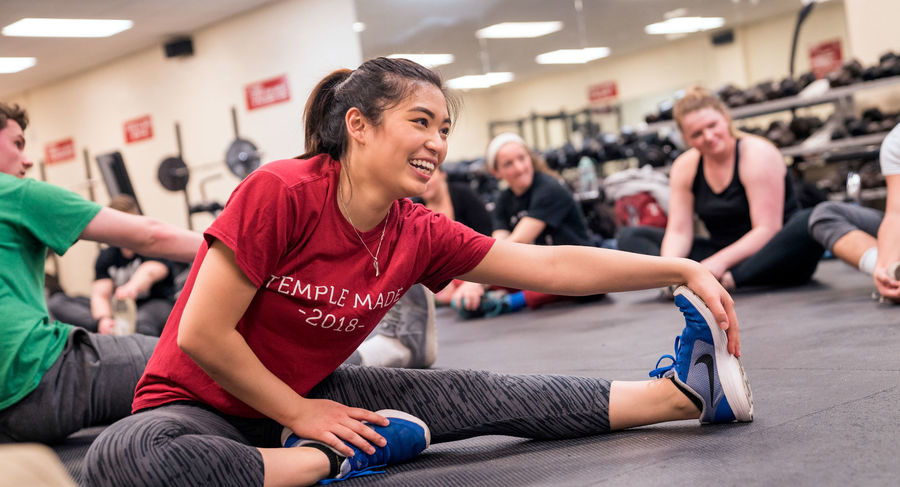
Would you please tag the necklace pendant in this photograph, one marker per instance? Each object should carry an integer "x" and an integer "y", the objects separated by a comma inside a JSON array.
[{"x": 375, "y": 263}]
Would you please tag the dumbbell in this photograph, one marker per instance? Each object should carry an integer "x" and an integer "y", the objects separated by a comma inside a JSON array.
[
  {"x": 736, "y": 100},
  {"x": 754, "y": 95},
  {"x": 839, "y": 132},
  {"x": 806, "y": 79},
  {"x": 780, "y": 134},
  {"x": 872, "y": 115},
  {"x": 769, "y": 89},
  {"x": 789, "y": 87},
  {"x": 856, "y": 127},
  {"x": 665, "y": 110},
  {"x": 890, "y": 66},
  {"x": 803, "y": 127},
  {"x": 854, "y": 70}
]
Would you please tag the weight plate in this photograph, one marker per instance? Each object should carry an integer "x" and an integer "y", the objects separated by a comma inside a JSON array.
[
  {"x": 242, "y": 157},
  {"x": 173, "y": 174}
]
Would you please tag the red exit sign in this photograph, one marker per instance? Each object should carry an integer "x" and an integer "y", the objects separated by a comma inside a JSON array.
[
  {"x": 267, "y": 92},
  {"x": 825, "y": 57},
  {"x": 137, "y": 129},
  {"x": 59, "y": 151},
  {"x": 604, "y": 92}
]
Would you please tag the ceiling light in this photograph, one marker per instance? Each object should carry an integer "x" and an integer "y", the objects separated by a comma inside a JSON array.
[
  {"x": 15, "y": 64},
  {"x": 66, "y": 27},
  {"x": 572, "y": 56},
  {"x": 516, "y": 30},
  {"x": 476, "y": 81},
  {"x": 359, "y": 27},
  {"x": 684, "y": 25},
  {"x": 427, "y": 60}
]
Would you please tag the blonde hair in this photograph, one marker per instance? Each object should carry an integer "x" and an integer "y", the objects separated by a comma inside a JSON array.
[
  {"x": 697, "y": 98},
  {"x": 537, "y": 162}
]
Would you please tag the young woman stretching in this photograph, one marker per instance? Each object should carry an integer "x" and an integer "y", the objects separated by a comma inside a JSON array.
[
  {"x": 537, "y": 208},
  {"x": 306, "y": 258},
  {"x": 738, "y": 185}
]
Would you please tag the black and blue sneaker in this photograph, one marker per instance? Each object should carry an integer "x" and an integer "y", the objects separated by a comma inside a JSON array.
[
  {"x": 406, "y": 436},
  {"x": 493, "y": 303},
  {"x": 702, "y": 366}
]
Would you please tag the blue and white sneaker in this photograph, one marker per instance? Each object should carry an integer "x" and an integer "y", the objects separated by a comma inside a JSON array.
[
  {"x": 703, "y": 367},
  {"x": 406, "y": 436}
]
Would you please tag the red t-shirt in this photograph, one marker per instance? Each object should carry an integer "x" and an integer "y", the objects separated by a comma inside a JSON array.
[{"x": 318, "y": 296}]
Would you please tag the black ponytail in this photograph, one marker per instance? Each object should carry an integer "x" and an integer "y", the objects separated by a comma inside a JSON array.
[
  {"x": 324, "y": 128},
  {"x": 375, "y": 86}
]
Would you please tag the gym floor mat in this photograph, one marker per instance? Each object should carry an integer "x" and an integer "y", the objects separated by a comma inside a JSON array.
[{"x": 822, "y": 360}]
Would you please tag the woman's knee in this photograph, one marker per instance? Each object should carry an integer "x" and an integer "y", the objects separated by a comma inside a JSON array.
[
  {"x": 138, "y": 450},
  {"x": 829, "y": 221},
  {"x": 113, "y": 456}
]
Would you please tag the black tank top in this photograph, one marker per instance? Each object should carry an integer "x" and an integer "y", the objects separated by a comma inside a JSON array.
[{"x": 726, "y": 215}]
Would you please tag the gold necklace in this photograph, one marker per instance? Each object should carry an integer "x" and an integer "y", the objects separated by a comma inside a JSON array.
[{"x": 375, "y": 255}]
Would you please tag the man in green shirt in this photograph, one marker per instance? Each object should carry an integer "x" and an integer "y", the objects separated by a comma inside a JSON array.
[{"x": 55, "y": 378}]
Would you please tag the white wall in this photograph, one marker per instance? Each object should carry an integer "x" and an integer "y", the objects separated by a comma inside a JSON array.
[
  {"x": 198, "y": 92},
  {"x": 760, "y": 51},
  {"x": 872, "y": 31}
]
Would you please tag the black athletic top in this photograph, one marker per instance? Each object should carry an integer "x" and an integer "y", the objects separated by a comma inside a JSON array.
[
  {"x": 468, "y": 208},
  {"x": 112, "y": 264},
  {"x": 726, "y": 215},
  {"x": 550, "y": 202}
]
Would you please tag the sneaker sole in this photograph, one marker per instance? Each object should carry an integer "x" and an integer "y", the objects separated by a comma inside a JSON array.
[
  {"x": 393, "y": 413},
  {"x": 731, "y": 372}
]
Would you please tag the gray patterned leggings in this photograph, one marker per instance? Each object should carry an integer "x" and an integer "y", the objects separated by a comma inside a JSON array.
[{"x": 191, "y": 444}]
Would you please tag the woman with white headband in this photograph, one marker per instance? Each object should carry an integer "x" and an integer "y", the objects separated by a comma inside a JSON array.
[{"x": 535, "y": 208}]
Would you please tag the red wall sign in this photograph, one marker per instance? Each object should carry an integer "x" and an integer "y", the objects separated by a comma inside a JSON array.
[
  {"x": 59, "y": 151},
  {"x": 825, "y": 57},
  {"x": 140, "y": 128},
  {"x": 267, "y": 92},
  {"x": 604, "y": 92}
]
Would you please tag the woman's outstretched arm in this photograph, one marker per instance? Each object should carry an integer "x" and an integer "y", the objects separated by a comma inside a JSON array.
[{"x": 579, "y": 271}]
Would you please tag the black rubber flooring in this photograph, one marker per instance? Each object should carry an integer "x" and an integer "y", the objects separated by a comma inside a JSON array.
[{"x": 823, "y": 361}]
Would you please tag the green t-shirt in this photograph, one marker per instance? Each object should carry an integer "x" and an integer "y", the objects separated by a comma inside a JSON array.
[{"x": 33, "y": 216}]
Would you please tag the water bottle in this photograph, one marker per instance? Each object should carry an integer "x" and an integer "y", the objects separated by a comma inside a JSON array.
[
  {"x": 124, "y": 313},
  {"x": 587, "y": 176}
]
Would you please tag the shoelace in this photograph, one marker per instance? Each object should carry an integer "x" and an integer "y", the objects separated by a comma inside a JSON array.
[{"x": 658, "y": 372}]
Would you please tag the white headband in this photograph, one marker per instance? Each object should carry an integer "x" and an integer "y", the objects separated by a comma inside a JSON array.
[{"x": 498, "y": 142}]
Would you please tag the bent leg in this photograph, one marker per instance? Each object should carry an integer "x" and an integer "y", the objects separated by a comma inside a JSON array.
[
  {"x": 830, "y": 221},
  {"x": 74, "y": 310},
  {"x": 176, "y": 444},
  {"x": 789, "y": 258},
  {"x": 91, "y": 383},
  {"x": 849, "y": 231}
]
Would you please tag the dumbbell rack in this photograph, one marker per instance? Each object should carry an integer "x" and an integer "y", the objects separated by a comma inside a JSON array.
[{"x": 841, "y": 97}]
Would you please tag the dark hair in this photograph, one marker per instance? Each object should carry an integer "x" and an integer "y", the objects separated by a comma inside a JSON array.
[
  {"x": 377, "y": 85},
  {"x": 124, "y": 202},
  {"x": 12, "y": 112}
]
